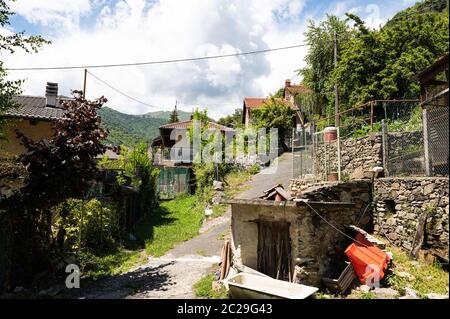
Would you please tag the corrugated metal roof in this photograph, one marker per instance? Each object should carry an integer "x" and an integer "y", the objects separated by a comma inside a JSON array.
[{"x": 34, "y": 107}]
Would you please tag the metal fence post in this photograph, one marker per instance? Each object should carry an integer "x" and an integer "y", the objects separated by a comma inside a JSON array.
[
  {"x": 385, "y": 145},
  {"x": 293, "y": 153},
  {"x": 339, "y": 153},
  {"x": 426, "y": 142}
]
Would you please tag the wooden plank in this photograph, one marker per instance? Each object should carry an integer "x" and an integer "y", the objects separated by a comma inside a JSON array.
[{"x": 420, "y": 233}]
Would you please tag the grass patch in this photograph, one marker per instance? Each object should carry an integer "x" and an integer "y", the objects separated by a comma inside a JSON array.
[
  {"x": 203, "y": 289},
  {"x": 367, "y": 295},
  {"x": 94, "y": 266},
  {"x": 234, "y": 182},
  {"x": 427, "y": 278},
  {"x": 172, "y": 222}
]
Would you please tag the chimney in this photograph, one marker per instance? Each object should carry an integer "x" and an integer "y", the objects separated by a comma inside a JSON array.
[
  {"x": 288, "y": 83},
  {"x": 51, "y": 93}
]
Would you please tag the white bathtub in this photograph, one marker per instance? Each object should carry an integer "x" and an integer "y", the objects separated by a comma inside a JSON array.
[{"x": 249, "y": 286}]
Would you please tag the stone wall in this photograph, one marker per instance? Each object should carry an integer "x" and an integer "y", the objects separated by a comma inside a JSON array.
[
  {"x": 400, "y": 201},
  {"x": 358, "y": 157},
  {"x": 317, "y": 249},
  {"x": 355, "y": 191}
]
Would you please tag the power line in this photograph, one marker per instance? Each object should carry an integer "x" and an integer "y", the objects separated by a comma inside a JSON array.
[
  {"x": 210, "y": 57},
  {"x": 331, "y": 225},
  {"x": 123, "y": 93},
  {"x": 139, "y": 101}
]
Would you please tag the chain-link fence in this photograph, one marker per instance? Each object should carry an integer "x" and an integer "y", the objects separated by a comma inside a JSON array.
[
  {"x": 403, "y": 143},
  {"x": 436, "y": 132},
  {"x": 387, "y": 133},
  {"x": 315, "y": 154}
]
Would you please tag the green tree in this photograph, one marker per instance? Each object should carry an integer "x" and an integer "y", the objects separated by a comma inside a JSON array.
[
  {"x": 10, "y": 42},
  {"x": 275, "y": 113},
  {"x": 138, "y": 165},
  {"x": 174, "y": 116},
  {"x": 319, "y": 62},
  {"x": 381, "y": 64},
  {"x": 57, "y": 168},
  {"x": 372, "y": 63},
  {"x": 233, "y": 120}
]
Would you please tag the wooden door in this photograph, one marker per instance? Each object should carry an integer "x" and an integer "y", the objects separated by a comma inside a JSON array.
[{"x": 274, "y": 250}]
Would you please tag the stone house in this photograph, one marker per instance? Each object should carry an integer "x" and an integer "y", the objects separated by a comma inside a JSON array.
[{"x": 289, "y": 240}]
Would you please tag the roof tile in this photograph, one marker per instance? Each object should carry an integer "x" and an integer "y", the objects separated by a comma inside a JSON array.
[{"x": 34, "y": 107}]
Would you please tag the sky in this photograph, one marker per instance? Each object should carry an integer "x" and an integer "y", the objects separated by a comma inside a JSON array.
[{"x": 87, "y": 32}]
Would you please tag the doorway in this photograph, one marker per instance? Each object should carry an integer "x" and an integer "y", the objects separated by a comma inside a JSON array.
[{"x": 274, "y": 249}]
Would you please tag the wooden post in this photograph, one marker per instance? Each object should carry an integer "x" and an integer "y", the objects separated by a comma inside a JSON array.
[
  {"x": 385, "y": 146},
  {"x": 371, "y": 116},
  {"x": 426, "y": 147},
  {"x": 80, "y": 233}
]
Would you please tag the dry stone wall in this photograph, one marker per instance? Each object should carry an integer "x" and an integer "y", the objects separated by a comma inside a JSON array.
[
  {"x": 398, "y": 203},
  {"x": 358, "y": 157}
]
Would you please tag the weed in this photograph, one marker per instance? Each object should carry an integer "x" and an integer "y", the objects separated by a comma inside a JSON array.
[{"x": 204, "y": 289}]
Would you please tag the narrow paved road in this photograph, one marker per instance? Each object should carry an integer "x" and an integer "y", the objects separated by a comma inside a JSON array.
[
  {"x": 173, "y": 275},
  {"x": 280, "y": 172}
]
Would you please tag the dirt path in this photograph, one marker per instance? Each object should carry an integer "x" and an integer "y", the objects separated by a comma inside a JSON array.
[
  {"x": 169, "y": 276},
  {"x": 173, "y": 275}
]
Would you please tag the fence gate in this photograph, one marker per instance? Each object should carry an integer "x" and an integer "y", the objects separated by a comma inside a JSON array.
[{"x": 173, "y": 180}]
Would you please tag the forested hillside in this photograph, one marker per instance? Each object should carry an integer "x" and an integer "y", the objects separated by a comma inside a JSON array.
[
  {"x": 126, "y": 129},
  {"x": 182, "y": 116},
  {"x": 372, "y": 63}
]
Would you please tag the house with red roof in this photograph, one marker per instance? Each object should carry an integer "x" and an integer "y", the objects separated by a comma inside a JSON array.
[{"x": 289, "y": 92}]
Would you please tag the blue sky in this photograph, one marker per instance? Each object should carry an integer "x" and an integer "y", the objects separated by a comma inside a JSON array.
[{"x": 117, "y": 31}]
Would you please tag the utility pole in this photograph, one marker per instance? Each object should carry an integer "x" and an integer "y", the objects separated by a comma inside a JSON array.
[
  {"x": 84, "y": 83},
  {"x": 336, "y": 112},
  {"x": 336, "y": 93}
]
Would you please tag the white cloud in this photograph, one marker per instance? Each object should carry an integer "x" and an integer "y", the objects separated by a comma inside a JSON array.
[
  {"x": 139, "y": 30},
  {"x": 60, "y": 14},
  {"x": 134, "y": 30}
]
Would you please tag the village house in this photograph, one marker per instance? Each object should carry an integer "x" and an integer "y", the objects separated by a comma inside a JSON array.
[
  {"x": 34, "y": 117},
  {"x": 289, "y": 92},
  {"x": 173, "y": 155}
]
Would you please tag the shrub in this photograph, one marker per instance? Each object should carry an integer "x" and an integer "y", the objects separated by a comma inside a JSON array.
[{"x": 97, "y": 223}]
